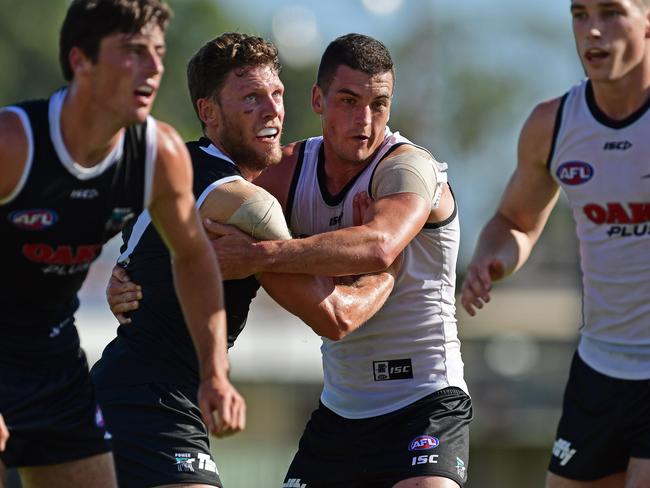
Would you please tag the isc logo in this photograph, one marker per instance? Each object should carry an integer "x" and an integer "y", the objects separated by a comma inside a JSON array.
[
  {"x": 617, "y": 146},
  {"x": 423, "y": 443},
  {"x": 430, "y": 459},
  {"x": 575, "y": 173},
  {"x": 393, "y": 369},
  {"x": 35, "y": 219}
]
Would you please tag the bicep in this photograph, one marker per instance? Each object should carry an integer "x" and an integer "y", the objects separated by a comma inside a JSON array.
[
  {"x": 529, "y": 198},
  {"x": 399, "y": 216},
  {"x": 532, "y": 192}
]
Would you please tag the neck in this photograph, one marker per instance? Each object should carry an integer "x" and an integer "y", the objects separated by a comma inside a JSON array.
[
  {"x": 249, "y": 174},
  {"x": 88, "y": 134},
  {"x": 621, "y": 98},
  {"x": 339, "y": 172}
]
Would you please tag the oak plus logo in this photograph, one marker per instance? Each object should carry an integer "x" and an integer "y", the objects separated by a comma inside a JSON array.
[
  {"x": 575, "y": 172},
  {"x": 631, "y": 219},
  {"x": 61, "y": 259}
]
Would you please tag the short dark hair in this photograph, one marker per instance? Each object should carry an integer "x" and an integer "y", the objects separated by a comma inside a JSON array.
[
  {"x": 87, "y": 22},
  {"x": 356, "y": 51},
  {"x": 208, "y": 69}
]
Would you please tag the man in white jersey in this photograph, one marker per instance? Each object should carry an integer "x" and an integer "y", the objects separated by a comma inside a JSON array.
[
  {"x": 593, "y": 143},
  {"x": 394, "y": 410}
]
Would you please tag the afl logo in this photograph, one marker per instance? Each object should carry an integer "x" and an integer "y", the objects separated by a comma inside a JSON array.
[
  {"x": 34, "y": 219},
  {"x": 423, "y": 443},
  {"x": 575, "y": 173}
]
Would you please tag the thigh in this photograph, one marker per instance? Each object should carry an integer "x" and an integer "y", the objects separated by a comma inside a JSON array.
[
  {"x": 96, "y": 471},
  {"x": 158, "y": 436},
  {"x": 612, "y": 481},
  {"x": 637, "y": 421},
  {"x": 638, "y": 473},
  {"x": 51, "y": 414},
  {"x": 427, "y": 482},
  {"x": 184, "y": 486},
  {"x": 428, "y": 438},
  {"x": 590, "y": 444}
]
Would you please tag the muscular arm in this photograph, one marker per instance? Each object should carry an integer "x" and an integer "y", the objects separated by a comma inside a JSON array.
[
  {"x": 331, "y": 309},
  {"x": 508, "y": 238},
  {"x": 13, "y": 152},
  {"x": 196, "y": 277},
  {"x": 396, "y": 219}
]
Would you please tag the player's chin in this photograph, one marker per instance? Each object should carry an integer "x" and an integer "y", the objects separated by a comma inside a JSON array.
[
  {"x": 270, "y": 156},
  {"x": 141, "y": 114}
]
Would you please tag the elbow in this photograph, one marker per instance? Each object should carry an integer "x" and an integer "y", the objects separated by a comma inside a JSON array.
[
  {"x": 331, "y": 329},
  {"x": 384, "y": 252},
  {"x": 333, "y": 334},
  {"x": 342, "y": 326},
  {"x": 333, "y": 325}
]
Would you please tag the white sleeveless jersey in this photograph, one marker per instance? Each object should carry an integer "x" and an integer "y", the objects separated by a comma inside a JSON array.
[
  {"x": 604, "y": 168},
  {"x": 410, "y": 348}
]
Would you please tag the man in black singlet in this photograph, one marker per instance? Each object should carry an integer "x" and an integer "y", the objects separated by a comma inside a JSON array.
[{"x": 75, "y": 169}]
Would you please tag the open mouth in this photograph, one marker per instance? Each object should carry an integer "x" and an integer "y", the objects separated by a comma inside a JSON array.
[
  {"x": 268, "y": 133},
  {"x": 144, "y": 91},
  {"x": 596, "y": 54}
]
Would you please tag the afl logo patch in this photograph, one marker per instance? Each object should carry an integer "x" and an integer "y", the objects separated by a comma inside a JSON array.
[
  {"x": 423, "y": 443},
  {"x": 575, "y": 172},
  {"x": 34, "y": 219}
]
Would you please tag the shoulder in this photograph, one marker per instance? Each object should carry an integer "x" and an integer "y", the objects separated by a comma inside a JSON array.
[
  {"x": 170, "y": 148},
  {"x": 408, "y": 158},
  {"x": 167, "y": 138},
  {"x": 13, "y": 150},
  {"x": 277, "y": 179},
  {"x": 544, "y": 115},
  {"x": 12, "y": 130},
  {"x": 290, "y": 155},
  {"x": 406, "y": 153},
  {"x": 537, "y": 133}
]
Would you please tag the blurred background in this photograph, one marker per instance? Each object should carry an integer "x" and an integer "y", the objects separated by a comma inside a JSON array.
[{"x": 468, "y": 74}]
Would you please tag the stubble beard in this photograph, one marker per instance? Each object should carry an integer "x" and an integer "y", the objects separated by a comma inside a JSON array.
[{"x": 243, "y": 154}]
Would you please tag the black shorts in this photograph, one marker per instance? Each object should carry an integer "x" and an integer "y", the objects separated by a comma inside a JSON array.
[
  {"x": 51, "y": 412},
  {"x": 430, "y": 437},
  {"x": 158, "y": 435},
  {"x": 605, "y": 421}
]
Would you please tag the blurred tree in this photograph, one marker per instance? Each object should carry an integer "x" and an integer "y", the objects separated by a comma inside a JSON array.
[{"x": 29, "y": 36}]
